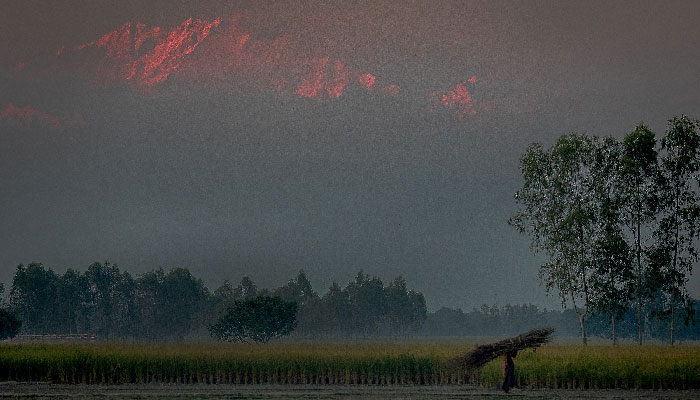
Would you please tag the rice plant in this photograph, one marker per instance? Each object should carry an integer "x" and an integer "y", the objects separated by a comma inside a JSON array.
[
  {"x": 604, "y": 367},
  {"x": 368, "y": 364}
]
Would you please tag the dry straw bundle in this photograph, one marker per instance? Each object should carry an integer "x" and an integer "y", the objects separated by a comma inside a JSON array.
[{"x": 485, "y": 353}]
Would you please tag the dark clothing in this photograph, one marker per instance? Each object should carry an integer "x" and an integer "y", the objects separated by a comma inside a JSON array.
[{"x": 508, "y": 372}]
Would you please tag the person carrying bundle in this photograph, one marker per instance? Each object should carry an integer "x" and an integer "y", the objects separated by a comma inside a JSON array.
[
  {"x": 509, "y": 371},
  {"x": 507, "y": 348}
]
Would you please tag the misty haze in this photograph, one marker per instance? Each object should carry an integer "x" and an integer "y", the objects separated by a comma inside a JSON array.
[{"x": 348, "y": 195}]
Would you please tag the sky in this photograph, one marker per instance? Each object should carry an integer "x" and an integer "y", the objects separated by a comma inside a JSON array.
[{"x": 261, "y": 138}]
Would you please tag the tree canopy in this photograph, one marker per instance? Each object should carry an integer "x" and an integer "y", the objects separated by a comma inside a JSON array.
[{"x": 617, "y": 220}]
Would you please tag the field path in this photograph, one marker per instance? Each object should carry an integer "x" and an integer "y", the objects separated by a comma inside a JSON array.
[{"x": 13, "y": 390}]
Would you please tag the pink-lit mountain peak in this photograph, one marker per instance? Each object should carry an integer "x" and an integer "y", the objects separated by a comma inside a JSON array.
[
  {"x": 458, "y": 99},
  {"x": 147, "y": 56},
  {"x": 214, "y": 51},
  {"x": 326, "y": 79},
  {"x": 126, "y": 59}
]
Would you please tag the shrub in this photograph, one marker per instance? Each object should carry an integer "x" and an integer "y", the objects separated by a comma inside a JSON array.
[
  {"x": 9, "y": 324},
  {"x": 259, "y": 319}
]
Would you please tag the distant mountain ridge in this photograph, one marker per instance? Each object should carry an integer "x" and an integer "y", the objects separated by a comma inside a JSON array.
[{"x": 143, "y": 57}]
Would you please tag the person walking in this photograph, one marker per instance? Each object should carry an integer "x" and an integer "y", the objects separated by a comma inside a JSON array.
[{"x": 509, "y": 371}]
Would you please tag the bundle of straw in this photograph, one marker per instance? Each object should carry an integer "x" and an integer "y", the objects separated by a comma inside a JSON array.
[{"x": 483, "y": 354}]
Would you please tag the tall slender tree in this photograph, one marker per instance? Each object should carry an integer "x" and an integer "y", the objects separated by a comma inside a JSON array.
[
  {"x": 558, "y": 213},
  {"x": 639, "y": 168},
  {"x": 674, "y": 250},
  {"x": 613, "y": 278}
]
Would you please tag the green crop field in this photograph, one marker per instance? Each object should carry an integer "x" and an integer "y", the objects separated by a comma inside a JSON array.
[{"x": 592, "y": 367}]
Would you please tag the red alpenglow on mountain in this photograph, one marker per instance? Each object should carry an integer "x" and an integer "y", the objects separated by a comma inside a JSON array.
[
  {"x": 147, "y": 56},
  {"x": 126, "y": 59},
  {"x": 366, "y": 80},
  {"x": 27, "y": 116},
  {"x": 218, "y": 50},
  {"x": 458, "y": 99},
  {"x": 318, "y": 80}
]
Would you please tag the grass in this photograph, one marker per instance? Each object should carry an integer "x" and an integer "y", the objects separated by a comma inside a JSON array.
[{"x": 550, "y": 367}]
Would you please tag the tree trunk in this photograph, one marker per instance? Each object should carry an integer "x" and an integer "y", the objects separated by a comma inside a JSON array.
[
  {"x": 581, "y": 319},
  {"x": 582, "y": 316},
  {"x": 639, "y": 275},
  {"x": 675, "y": 263},
  {"x": 673, "y": 309},
  {"x": 614, "y": 338}
]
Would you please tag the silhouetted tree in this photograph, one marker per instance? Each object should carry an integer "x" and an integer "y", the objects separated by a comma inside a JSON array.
[
  {"x": 418, "y": 310},
  {"x": 246, "y": 289},
  {"x": 33, "y": 298},
  {"x": 183, "y": 299},
  {"x": 406, "y": 310},
  {"x": 72, "y": 299},
  {"x": 259, "y": 319},
  {"x": 111, "y": 300},
  {"x": 336, "y": 311},
  {"x": 222, "y": 298},
  {"x": 152, "y": 318},
  {"x": 367, "y": 303},
  {"x": 298, "y": 290},
  {"x": 9, "y": 324}
]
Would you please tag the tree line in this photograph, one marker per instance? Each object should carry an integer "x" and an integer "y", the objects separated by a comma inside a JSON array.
[
  {"x": 507, "y": 320},
  {"x": 618, "y": 222},
  {"x": 173, "y": 305}
]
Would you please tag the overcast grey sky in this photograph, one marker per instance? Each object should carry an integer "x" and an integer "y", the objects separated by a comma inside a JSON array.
[{"x": 225, "y": 168}]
